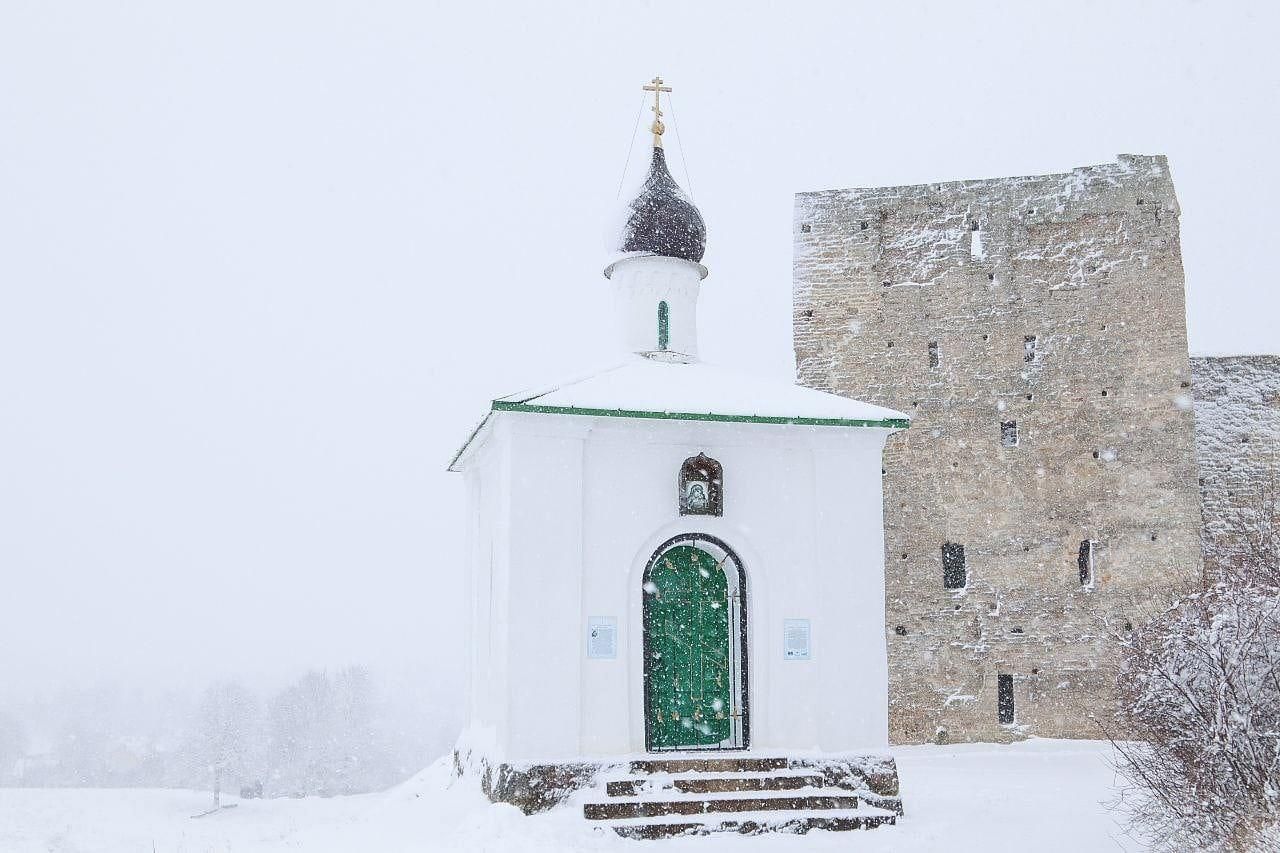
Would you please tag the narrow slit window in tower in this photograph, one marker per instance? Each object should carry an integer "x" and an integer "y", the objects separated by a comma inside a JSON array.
[
  {"x": 933, "y": 353},
  {"x": 954, "y": 573},
  {"x": 1008, "y": 433},
  {"x": 1085, "y": 561},
  {"x": 1004, "y": 699},
  {"x": 1029, "y": 348},
  {"x": 664, "y": 325}
]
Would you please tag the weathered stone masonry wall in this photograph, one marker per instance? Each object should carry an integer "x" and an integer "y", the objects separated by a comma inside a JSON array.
[
  {"x": 1237, "y": 400},
  {"x": 1089, "y": 264}
]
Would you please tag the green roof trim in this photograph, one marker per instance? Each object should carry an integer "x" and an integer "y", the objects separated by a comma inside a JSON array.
[
  {"x": 512, "y": 406},
  {"x": 885, "y": 423}
]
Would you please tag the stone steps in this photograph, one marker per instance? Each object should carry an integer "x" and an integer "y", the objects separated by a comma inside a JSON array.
[
  {"x": 621, "y": 809},
  {"x": 790, "y": 822},
  {"x": 737, "y": 764},
  {"x": 713, "y": 784},
  {"x": 745, "y": 794}
]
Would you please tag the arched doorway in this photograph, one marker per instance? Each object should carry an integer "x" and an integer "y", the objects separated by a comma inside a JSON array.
[{"x": 695, "y": 646}]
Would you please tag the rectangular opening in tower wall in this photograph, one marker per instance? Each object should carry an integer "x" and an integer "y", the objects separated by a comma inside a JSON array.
[
  {"x": 954, "y": 572},
  {"x": 1085, "y": 561},
  {"x": 1004, "y": 699},
  {"x": 1008, "y": 433},
  {"x": 933, "y": 353},
  {"x": 1029, "y": 348}
]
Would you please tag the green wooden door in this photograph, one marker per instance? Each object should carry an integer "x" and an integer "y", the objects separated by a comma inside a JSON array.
[{"x": 687, "y": 667}]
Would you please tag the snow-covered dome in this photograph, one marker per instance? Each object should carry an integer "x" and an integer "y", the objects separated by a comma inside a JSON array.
[{"x": 661, "y": 220}]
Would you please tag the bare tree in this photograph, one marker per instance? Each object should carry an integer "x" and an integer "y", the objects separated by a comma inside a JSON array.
[
  {"x": 1254, "y": 556},
  {"x": 227, "y": 723},
  {"x": 326, "y": 737},
  {"x": 1200, "y": 691}
]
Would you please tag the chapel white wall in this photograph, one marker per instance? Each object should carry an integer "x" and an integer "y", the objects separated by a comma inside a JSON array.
[
  {"x": 546, "y": 572},
  {"x": 488, "y": 502},
  {"x": 595, "y": 496}
]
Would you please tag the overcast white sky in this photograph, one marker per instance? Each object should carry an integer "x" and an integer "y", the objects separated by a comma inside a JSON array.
[{"x": 262, "y": 264}]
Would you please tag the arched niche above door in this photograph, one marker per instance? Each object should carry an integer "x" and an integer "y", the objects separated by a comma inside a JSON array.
[{"x": 701, "y": 486}]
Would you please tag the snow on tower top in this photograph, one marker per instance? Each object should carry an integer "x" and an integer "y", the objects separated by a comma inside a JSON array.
[{"x": 661, "y": 220}]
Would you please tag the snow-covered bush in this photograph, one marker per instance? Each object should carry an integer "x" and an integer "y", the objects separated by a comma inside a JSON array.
[{"x": 1201, "y": 691}]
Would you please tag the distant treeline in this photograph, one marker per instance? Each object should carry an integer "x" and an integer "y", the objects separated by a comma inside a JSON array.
[{"x": 326, "y": 733}]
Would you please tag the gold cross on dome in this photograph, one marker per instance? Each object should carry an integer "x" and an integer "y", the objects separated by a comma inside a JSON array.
[{"x": 655, "y": 86}]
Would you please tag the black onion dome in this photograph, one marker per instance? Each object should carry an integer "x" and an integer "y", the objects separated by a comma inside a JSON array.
[{"x": 662, "y": 220}]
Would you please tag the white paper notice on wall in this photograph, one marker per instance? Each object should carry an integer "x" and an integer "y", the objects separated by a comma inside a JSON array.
[
  {"x": 602, "y": 637},
  {"x": 796, "y": 639}
]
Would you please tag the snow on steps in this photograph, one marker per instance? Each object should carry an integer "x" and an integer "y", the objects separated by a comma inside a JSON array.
[
  {"x": 717, "y": 764},
  {"x": 661, "y": 798},
  {"x": 757, "y": 823},
  {"x": 715, "y": 784}
]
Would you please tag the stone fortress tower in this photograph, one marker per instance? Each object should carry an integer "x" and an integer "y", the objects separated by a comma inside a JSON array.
[{"x": 1046, "y": 492}]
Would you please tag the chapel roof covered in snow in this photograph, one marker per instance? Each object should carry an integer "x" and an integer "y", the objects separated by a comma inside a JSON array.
[{"x": 653, "y": 389}]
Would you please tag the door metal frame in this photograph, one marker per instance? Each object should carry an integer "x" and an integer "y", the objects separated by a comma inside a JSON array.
[{"x": 740, "y": 730}]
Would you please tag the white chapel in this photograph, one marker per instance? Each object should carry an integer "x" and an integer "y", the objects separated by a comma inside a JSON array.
[{"x": 673, "y": 566}]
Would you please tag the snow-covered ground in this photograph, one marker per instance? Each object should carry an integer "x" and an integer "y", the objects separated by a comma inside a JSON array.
[{"x": 1041, "y": 795}]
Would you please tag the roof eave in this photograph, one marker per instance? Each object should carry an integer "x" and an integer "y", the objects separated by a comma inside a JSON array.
[
  {"x": 878, "y": 423},
  {"x": 460, "y": 458}
]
